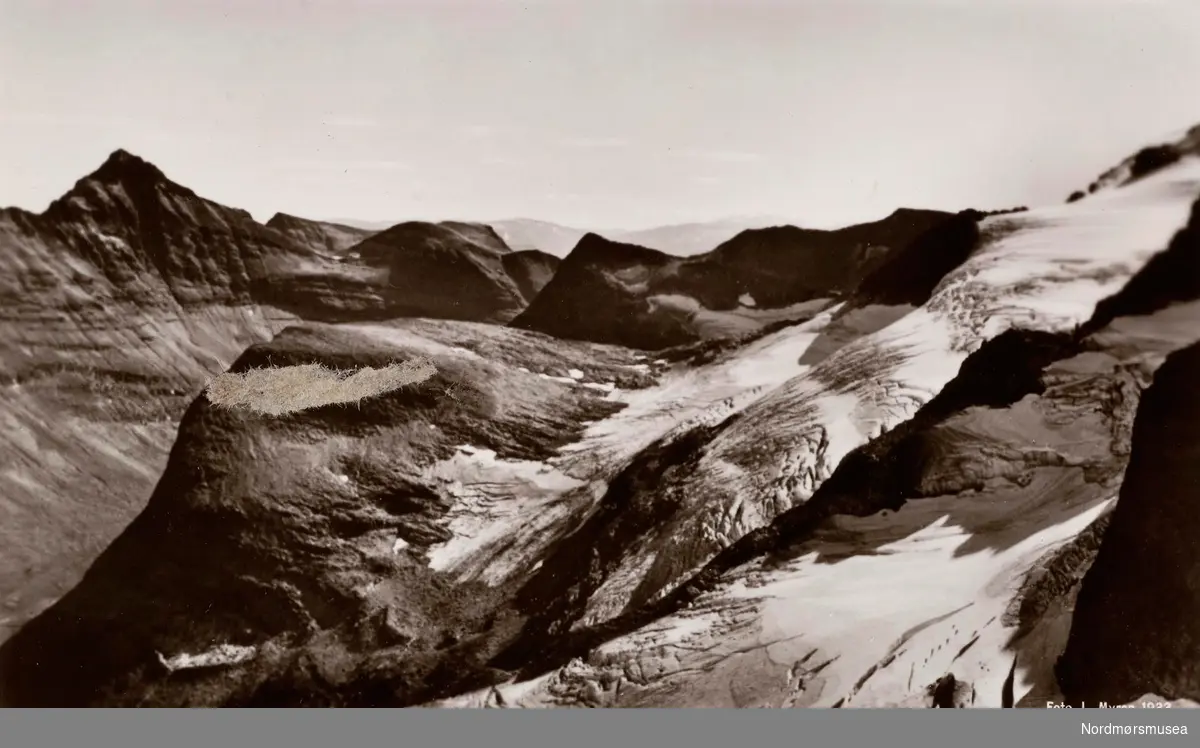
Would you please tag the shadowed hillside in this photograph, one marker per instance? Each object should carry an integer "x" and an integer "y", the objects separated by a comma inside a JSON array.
[
  {"x": 447, "y": 270},
  {"x": 598, "y": 293},
  {"x": 531, "y": 270}
]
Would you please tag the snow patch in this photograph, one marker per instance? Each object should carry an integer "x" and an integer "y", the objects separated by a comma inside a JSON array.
[
  {"x": 222, "y": 655},
  {"x": 680, "y": 631},
  {"x": 110, "y": 241},
  {"x": 503, "y": 514}
]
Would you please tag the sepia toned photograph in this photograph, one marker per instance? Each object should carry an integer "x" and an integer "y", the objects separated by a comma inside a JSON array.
[{"x": 468, "y": 354}]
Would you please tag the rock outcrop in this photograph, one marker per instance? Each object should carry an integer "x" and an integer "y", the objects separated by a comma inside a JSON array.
[{"x": 1136, "y": 626}]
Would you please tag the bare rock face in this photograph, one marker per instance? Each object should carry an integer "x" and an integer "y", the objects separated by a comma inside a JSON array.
[
  {"x": 910, "y": 274},
  {"x": 1136, "y": 627}
]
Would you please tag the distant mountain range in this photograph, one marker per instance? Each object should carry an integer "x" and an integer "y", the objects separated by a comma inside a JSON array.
[
  {"x": 682, "y": 239},
  {"x": 615, "y": 292}
]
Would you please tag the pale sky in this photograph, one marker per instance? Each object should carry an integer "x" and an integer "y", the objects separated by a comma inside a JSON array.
[{"x": 594, "y": 113}]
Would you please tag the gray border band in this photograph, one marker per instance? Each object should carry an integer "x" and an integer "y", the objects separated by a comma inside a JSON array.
[{"x": 686, "y": 728}]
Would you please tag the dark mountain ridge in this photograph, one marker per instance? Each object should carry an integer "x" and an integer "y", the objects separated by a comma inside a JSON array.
[
  {"x": 598, "y": 294},
  {"x": 451, "y": 270},
  {"x": 609, "y": 291}
]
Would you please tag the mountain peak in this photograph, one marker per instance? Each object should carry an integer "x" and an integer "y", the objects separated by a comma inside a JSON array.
[
  {"x": 592, "y": 237},
  {"x": 284, "y": 219},
  {"x": 593, "y": 247},
  {"x": 591, "y": 243},
  {"x": 122, "y": 166}
]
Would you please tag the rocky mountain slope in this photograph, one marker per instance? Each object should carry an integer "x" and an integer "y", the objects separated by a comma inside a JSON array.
[
  {"x": 611, "y": 292},
  {"x": 1135, "y": 627},
  {"x": 448, "y": 270},
  {"x": 348, "y": 540},
  {"x": 115, "y": 304},
  {"x": 118, "y": 302}
]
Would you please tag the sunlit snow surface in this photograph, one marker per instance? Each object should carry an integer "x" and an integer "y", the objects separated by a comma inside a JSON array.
[{"x": 872, "y": 628}]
